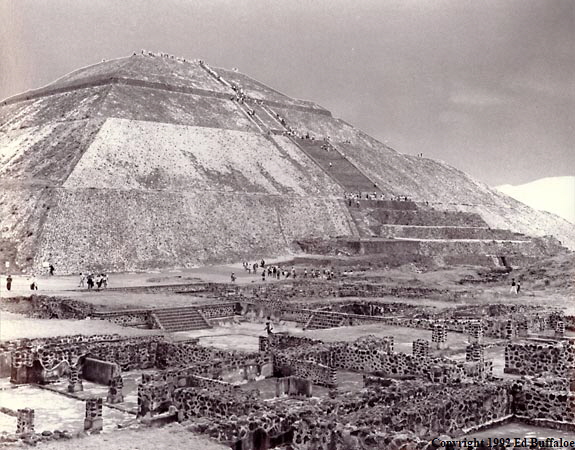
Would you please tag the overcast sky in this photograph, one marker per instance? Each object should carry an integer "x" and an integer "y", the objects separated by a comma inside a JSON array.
[{"x": 487, "y": 86}]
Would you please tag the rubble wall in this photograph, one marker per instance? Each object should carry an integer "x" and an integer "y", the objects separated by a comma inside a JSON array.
[
  {"x": 34, "y": 363},
  {"x": 538, "y": 357}
]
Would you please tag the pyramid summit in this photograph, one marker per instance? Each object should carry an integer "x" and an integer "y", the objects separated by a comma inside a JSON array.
[{"x": 153, "y": 161}]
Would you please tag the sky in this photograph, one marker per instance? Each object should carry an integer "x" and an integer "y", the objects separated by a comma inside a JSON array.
[{"x": 486, "y": 86}]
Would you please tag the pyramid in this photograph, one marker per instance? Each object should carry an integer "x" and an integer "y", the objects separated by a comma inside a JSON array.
[{"x": 151, "y": 162}]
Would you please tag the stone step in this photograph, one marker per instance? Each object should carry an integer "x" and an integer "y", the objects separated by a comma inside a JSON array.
[
  {"x": 341, "y": 169},
  {"x": 181, "y": 319},
  {"x": 179, "y": 316}
]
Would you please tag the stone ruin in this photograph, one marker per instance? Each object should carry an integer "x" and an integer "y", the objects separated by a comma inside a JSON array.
[
  {"x": 188, "y": 381},
  {"x": 93, "y": 421},
  {"x": 427, "y": 394}
]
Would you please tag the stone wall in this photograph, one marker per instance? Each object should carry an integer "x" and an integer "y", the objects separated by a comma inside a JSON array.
[
  {"x": 317, "y": 373},
  {"x": 219, "y": 310},
  {"x": 190, "y": 353},
  {"x": 545, "y": 400},
  {"x": 536, "y": 357},
  {"x": 191, "y": 403},
  {"x": 43, "y": 363},
  {"x": 279, "y": 341},
  {"x": 129, "y": 318},
  {"x": 99, "y": 371},
  {"x": 293, "y": 386},
  {"x": 45, "y": 307}
]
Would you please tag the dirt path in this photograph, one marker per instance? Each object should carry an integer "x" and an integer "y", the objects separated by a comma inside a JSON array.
[{"x": 173, "y": 436}]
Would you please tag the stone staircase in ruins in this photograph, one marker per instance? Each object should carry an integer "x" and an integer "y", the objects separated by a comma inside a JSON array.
[{"x": 180, "y": 319}]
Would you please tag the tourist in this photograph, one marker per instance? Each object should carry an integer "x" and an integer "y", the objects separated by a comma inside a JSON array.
[
  {"x": 9, "y": 282},
  {"x": 518, "y": 287},
  {"x": 105, "y": 280},
  {"x": 51, "y": 270},
  {"x": 33, "y": 284},
  {"x": 269, "y": 327},
  {"x": 233, "y": 277},
  {"x": 82, "y": 278},
  {"x": 90, "y": 281},
  {"x": 513, "y": 288}
]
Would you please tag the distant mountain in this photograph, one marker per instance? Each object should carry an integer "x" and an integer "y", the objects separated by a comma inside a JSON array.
[{"x": 554, "y": 194}]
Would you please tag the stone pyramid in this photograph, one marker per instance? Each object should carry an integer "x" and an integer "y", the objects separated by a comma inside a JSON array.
[{"x": 151, "y": 161}]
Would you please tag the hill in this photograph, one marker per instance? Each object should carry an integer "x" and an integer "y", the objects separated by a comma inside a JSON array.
[
  {"x": 553, "y": 194},
  {"x": 153, "y": 162}
]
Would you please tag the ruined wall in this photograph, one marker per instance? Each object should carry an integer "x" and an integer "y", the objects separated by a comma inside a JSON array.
[
  {"x": 192, "y": 403},
  {"x": 434, "y": 410},
  {"x": 278, "y": 341},
  {"x": 156, "y": 396},
  {"x": 45, "y": 307},
  {"x": 219, "y": 310},
  {"x": 545, "y": 400},
  {"x": 293, "y": 386},
  {"x": 129, "y": 318},
  {"x": 99, "y": 371},
  {"x": 435, "y": 369},
  {"x": 535, "y": 357},
  {"x": 317, "y": 373},
  {"x": 42, "y": 363},
  {"x": 189, "y": 353}
]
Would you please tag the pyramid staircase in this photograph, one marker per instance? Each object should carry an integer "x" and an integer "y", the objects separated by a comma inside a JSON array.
[
  {"x": 324, "y": 154},
  {"x": 321, "y": 320},
  {"x": 336, "y": 165},
  {"x": 180, "y": 319}
]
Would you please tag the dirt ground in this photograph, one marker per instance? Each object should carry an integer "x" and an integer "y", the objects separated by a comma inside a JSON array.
[
  {"x": 173, "y": 436},
  {"x": 16, "y": 326}
]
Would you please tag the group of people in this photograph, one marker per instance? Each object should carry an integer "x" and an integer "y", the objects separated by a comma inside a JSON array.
[
  {"x": 32, "y": 279},
  {"x": 161, "y": 55},
  {"x": 355, "y": 197},
  {"x": 277, "y": 272},
  {"x": 90, "y": 280}
]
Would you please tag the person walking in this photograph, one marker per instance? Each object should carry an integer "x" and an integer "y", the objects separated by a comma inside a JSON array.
[
  {"x": 513, "y": 288},
  {"x": 33, "y": 284},
  {"x": 9, "y": 282},
  {"x": 233, "y": 277},
  {"x": 51, "y": 270},
  {"x": 82, "y": 279}
]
